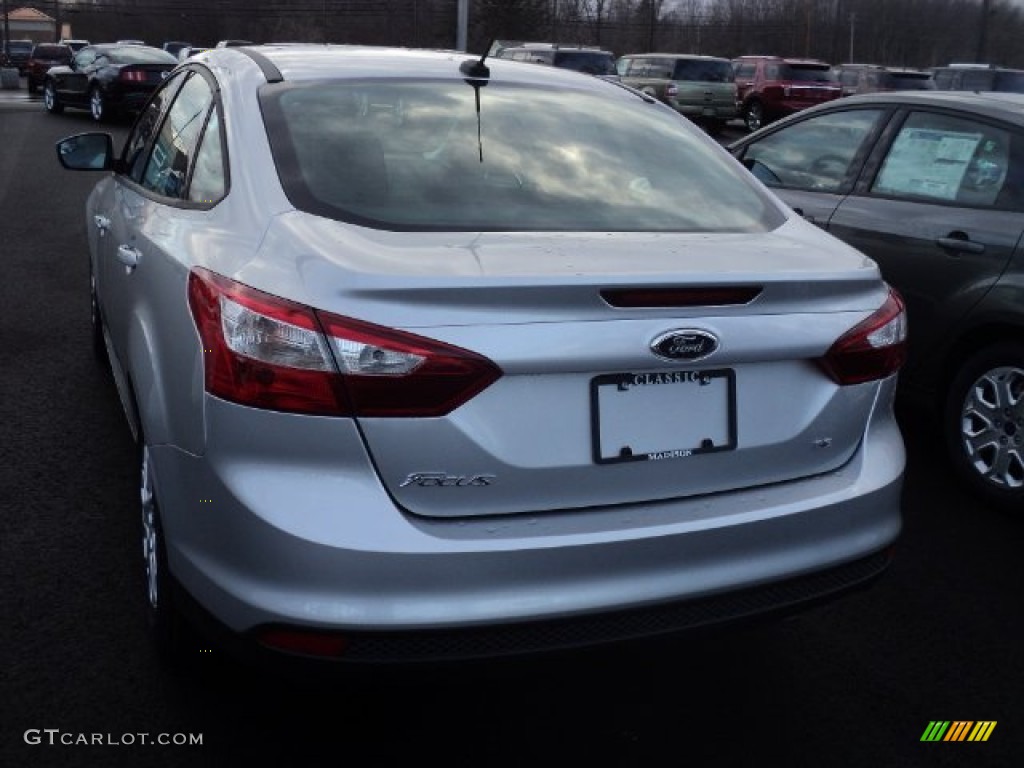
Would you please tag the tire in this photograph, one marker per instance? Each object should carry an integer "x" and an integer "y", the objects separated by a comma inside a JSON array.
[
  {"x": 984, "y": 424},
  {"x": 99, "y": 346},
  {"x": 50, "y": 101},
  {"x": 167, "y": 627},
  {"x": 714, "y": 127},
  {"x": 98, "y": 105},
  {"x": 753, "y": 116}
]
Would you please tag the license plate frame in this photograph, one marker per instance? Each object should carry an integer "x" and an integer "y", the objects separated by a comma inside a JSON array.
[{"x": 636, "y": 416}]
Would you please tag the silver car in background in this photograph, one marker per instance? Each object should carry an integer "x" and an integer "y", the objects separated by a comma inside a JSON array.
[{"x": 436, "y": 358}]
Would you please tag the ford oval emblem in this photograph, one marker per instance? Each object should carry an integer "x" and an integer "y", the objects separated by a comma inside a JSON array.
[{"x": 685, "y": 344}]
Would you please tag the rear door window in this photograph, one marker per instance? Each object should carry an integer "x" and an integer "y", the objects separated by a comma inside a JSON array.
[{"x": 950, "y": 159}]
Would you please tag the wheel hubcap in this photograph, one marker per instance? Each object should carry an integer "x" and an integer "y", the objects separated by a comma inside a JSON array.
[
  {"x": 48, "y": 97},
  {"x": 149, "y": 531},
  {"x": 992, "y": 426},
  {"x": 97, "y": 105}
]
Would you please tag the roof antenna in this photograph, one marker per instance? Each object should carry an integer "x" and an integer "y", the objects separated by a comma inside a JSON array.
[
  {"x": 476, "y": 70},
  {"x": 477, "y": 74}
]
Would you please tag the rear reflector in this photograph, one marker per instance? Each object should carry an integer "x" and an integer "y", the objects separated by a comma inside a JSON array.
[{"x": 303, "y": 642}]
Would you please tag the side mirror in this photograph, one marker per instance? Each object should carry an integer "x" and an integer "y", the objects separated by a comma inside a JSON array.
[{"x": 87, "y": 152}]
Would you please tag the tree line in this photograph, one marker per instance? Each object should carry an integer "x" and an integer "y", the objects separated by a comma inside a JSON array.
[{"x": 915, "y": 33}]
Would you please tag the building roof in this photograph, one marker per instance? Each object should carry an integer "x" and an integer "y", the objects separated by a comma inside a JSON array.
[{"x": 28, "y": 14}]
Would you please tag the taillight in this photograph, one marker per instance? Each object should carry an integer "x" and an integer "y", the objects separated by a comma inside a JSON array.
[
  {"x": 267, "y": 352},
  {"x": 671, "y": 91},
  {"x": 132, "y": 76},
  {"x": 873, "y": 349}
]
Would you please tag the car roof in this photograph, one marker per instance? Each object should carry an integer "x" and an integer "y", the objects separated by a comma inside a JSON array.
[
  {"x": 696, "y": 56},
  {"x": 301, "y": 61},
  {"x": 1004, "y": 106},
  {"x": 787, "y": 59}
]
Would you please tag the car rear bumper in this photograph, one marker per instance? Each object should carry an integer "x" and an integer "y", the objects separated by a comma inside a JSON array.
[
  {"x": 333, "y": 553},
  {"x": 709, "y": 111}
]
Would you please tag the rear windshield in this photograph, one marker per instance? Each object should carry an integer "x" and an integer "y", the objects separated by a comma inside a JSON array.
[
  {"x": 417, "y": 155},
  {"x": 61, "y": 52},
  {"x": 810, "y": 73},
  {"x": 140, "y": 55},
  {"x": 590, "y": 62},
  {"x": 1009, "y": 81},
  {"x": 908, "y": 81},
  {"x": 19, "y": 46},
  {"x": 703, "y": 71}
]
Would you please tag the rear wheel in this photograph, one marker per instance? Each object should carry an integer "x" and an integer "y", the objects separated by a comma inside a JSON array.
[
  {"x": 97, "y": 105},
  {"x": 165, "y": 622},
  {"x": 984, "y": 424},
  {"x": 753, "y": 115},
  {"x": 50, "y": 100},
  {"x": 99, "y": 347}
]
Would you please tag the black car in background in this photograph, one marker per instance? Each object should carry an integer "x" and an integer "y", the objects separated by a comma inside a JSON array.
[
  {"x": 930, "y": 185},
  {"x": 44, "y": 56},
  {"x": 107, "y": 79}
]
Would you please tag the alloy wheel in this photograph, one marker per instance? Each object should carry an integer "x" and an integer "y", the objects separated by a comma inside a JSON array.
[
  {"x": 150, "y": 533},
  {"x": 992, "y": 426},
  {"x": 754, "y": 116},
  {"x": 96, "y": 105}
]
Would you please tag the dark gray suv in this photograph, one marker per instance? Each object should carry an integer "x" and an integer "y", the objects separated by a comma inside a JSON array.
[{"x": 587, "y": 59}]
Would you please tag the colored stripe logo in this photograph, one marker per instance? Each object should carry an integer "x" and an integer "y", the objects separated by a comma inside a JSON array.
[{"x": 958, "y": 730}]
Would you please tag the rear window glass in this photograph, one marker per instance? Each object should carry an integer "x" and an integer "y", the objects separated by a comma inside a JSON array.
[
  {"x": 20, "y": 47},
  {"x": 806, "y": 73},
  {"x": 592, "y": 63},
  {"x": 140, "y": 55},
  {"x": 910, "y": 81},
  {"x": 703, "y": 71},
  {"x": 1009, "y": 81},
  {"x": 415, "y": 155},
  {"x": 52, "y": 52}
]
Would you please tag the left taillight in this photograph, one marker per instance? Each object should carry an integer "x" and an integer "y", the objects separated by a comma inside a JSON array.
[
  {"x": 132, "y": 76},
  {"x": 873, "y": 349},
  {"x": 266, "y": 352}
]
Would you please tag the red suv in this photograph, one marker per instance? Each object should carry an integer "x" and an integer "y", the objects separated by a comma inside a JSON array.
[
  {"x": 44, "y": 56},
  {"x": 770, "y": 87}
]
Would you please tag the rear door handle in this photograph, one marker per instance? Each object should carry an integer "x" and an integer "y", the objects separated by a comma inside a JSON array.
[
  {"x": 102, "y": 223},
  {"x": 959, "y": 242}
]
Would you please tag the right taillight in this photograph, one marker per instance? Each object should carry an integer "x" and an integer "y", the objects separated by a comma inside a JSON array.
[
  {"x": 266, "y": 352},
  {"x": 873, "y": 349}
]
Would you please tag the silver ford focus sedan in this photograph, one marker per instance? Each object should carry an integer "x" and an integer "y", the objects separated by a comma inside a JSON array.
[{"x": 434, "y": 358}]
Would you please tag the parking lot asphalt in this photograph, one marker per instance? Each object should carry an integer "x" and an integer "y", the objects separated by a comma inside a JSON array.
[{"x": 848, "y": 685}]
